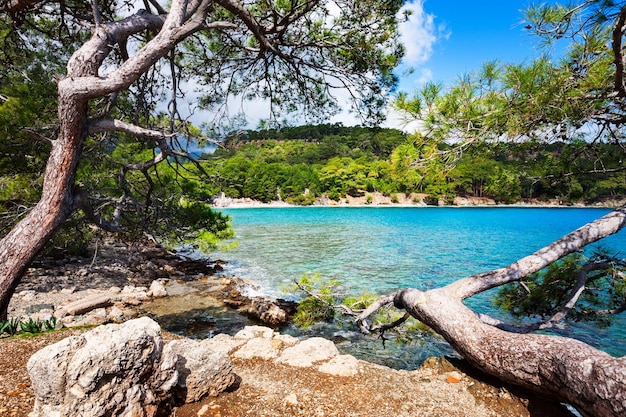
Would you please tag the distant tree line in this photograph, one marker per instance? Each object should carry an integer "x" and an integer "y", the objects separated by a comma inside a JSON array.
[{"x": 301, "y": 163}]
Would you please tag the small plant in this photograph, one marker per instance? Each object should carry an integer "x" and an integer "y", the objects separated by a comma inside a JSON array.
[
  {"x": 10, "y": 326},
  {"x": 312, "y": 310},
  {"x": 15, "y": 325},
  {"x": 50, "y": 324},
  {"x": 31, "y": 326},
  {"x": 319, "y": 305}
]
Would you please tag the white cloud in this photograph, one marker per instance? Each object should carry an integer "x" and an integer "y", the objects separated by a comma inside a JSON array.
[{"x": 418, "y": 33}]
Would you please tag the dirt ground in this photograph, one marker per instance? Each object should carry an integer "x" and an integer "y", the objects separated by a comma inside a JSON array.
[{"x": 267, "y": 389}]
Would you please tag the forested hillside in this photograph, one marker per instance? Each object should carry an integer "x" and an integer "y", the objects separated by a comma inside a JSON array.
[{"x": 299, "y": 164}]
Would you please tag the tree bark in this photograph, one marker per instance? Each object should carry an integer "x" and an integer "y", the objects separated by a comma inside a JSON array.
[
  {"x": 22, "y": 244},
  {"x": 558, "y": 367},
  {"x": 555, "y": 366}
]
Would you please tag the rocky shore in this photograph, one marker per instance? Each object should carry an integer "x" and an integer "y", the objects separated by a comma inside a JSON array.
[
  {"x": 376, "y": 199},
  {"x": 119, "y": 282}
]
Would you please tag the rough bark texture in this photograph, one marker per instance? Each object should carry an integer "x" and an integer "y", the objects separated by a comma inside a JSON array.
[
  {"x": 572, "y": 371},
  {"x": 22, "y": 244},
  {"x": 562, "y": 368}
]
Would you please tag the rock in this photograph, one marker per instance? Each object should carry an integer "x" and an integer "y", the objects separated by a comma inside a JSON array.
[
  {"x": 286, "y": 339},
  {"x": 250, "y": 332},
  {"x": 201, "y": 370},
  {"x": 157, "y": 289},
  {"x": 115, "y": 290},
  {"x": 261, "y": 348},
  {"x": 87, "y": 304},
  {"x": 111, "y": 370},
  {"x": 268, "y": 311},
  {"x": 224, "y": 343},
  {"x": 116, "y": 315},
  {"x": 274, "y": 315},
  {"x": 307, "y": 352},
  {"x": 28, "y": 295},
  {"x": 342, "y": 365}
]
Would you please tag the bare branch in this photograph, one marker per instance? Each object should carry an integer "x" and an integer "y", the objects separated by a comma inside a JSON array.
[
  {"x": 110, "y": 125},
  {"x": 361, "y": 320},
  {"x": 570, "y": 243},
  {"x": 81, "y": 201}
]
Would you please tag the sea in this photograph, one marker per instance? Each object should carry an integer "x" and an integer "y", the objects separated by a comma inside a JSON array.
[{"x": 383, "y": 249}]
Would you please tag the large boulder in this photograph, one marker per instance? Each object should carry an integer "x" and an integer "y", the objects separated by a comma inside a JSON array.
[
  {"x": 201, "y": 370},
  {"x": 121, "y": 370}
]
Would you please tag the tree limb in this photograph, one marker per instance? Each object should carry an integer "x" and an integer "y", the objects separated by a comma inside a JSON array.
[
  {"x": 570, "y": 243},
  {"x": 618, "y": 54},
  {"x": 114, "y": 125}
]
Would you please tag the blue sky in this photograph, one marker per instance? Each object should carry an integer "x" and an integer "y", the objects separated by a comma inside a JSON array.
[
  {"x": 448, "y": 38},
  {"x": 445, "y": 39}
]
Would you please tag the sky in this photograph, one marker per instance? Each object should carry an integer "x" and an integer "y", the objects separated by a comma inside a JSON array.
[{"x": 445, "y": 39}]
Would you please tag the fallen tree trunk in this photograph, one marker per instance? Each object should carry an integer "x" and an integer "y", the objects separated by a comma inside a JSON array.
[{"x": 558, "y": 367}]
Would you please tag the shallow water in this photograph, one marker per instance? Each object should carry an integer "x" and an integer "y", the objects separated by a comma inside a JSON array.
[{"x": 382, "y": 249}]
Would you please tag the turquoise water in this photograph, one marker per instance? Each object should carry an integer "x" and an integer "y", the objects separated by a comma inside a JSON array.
[{"x": 374, "y": 249}]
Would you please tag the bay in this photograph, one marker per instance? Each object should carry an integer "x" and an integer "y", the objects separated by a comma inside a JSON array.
[{"x": 382, "y": 249}]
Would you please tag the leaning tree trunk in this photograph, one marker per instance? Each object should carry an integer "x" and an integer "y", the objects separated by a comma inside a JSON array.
[
  {"x": 82, "y": 83},
  {"x": 22, "y": 244},
  {"x": 558, "y": 367}
]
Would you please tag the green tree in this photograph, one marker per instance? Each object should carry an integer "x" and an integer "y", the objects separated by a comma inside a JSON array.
[{"x": 116, "y": 63}]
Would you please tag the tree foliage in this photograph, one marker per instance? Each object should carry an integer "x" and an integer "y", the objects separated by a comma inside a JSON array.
[
  {"x": 280, "y": 164},
  {"x": 103, "y": 71}
]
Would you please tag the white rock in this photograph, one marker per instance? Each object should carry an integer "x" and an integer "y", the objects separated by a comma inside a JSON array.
[
  {"x": 342, "y": 365},
  {"x": 251, "y": 332},
  {"x": 201, "y": 371},
  {"x": 287, "y": 339},
  {"x": 28, "y": 295},
  {"x": 224, "y": 343},
  {"x": 110, "y": 370},
  {"x": 115, "y": 290},
  {"x": 116, "y": 315},
  {"x": 259, "y": 347},
  {"x": 88, "y": 303},
  {"x": 308, "y": 352},
  {"x": 157, "y": 289}
]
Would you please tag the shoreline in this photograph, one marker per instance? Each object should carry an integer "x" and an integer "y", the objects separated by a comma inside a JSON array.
[
  {"x": 377, "y": 200},
  {"x": 438, "y": 387}
]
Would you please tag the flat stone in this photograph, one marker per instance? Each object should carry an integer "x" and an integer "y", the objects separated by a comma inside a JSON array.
[
  {"x": 224, "y": 343},
  {"x": 308, "y": 352},
  {"x": 258, "y": 348},
  {"x": 342, "y": 365},
  {"x": 87, "y": 304},
  {"x": 251, "y": 332}
]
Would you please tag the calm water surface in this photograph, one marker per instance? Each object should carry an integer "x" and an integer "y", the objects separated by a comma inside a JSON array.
[{"x": 374, "y": 249}]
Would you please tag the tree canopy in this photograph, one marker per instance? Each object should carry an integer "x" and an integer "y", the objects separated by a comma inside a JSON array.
[{"x": 88, "y": 81}]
